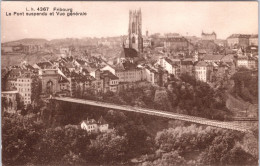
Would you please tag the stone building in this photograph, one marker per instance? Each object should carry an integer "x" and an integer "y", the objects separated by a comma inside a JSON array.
[
  {"x": 238, "y": 40},
  {"x": 50, "y": 79},
  {"x": 253, "y": 40},
  {"x": 176, "y": 43},
  {"x": 208, "y": 36},
  {"x": 135, "y": 39},
  {"x": 24, "y": 88}
]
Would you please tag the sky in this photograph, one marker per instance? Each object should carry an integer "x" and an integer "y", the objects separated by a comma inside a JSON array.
[{"x": 106, "y": 19}]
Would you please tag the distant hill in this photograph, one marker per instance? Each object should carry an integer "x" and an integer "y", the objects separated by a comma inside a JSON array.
[
  {"x": 73, "y": 41},
  {"x": 87, "y": 41},
  {"x": 26, "y": 41}
]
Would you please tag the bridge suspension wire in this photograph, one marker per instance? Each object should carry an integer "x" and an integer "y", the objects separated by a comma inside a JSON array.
[{"x": 153, "y": 112}]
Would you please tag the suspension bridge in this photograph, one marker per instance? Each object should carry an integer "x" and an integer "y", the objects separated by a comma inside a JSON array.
[{"x": 153, "y": 112}]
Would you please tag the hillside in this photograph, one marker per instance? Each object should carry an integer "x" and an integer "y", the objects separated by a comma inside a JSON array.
[
  {"x": 38, "y": 41},
  {"x": 240, "y": 107}
]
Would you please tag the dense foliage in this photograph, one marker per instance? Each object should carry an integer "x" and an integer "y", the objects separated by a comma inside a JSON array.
[
  {"x": 26, "y": 141},
  {"x": 197, "y": 146},
  {"x": 186, "y": 96},
  {"x": 246, "y": 85}
]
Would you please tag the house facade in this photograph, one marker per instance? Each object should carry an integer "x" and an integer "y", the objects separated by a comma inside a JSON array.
[
  {"x": 93, "y": 126},
  {"x": 24, "y": 88}
]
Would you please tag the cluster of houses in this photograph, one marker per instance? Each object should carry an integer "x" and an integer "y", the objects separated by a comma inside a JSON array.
[
  {"x": 69, "y": 76},
  {"x": 77, "y": 75}
]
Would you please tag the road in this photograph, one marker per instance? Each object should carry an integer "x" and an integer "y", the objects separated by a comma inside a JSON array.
[{"x": 170, "y": 115}]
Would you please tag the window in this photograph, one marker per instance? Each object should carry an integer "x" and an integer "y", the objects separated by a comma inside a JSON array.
[
  {"x": 133, "y": 40},
  {"x": 133, "y": 27}
]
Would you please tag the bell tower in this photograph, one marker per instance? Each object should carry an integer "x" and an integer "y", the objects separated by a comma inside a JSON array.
[{"x": 135, "y": 39}]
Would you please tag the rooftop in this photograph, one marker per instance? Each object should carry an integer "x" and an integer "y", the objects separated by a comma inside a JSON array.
[
  {"x": 208, "y": 34},
  {"x": 176, "y": 39},
  {"x": 187, "y": 62},
  {"x": 107, "y": 73},
  {"x": 239, "y": 36},
  {"x": 102, "y": 121},
  {"x": 130, "y": 53},
  {"x": 89, "y": 122},
  {"x": 63, "y": 80},
  {"x": 44, "y": 65},
  {"x": 202, "y": 64},
  {"x": 213, "y": 57}
]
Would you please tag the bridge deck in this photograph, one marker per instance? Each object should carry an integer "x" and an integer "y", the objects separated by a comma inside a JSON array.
[{"x": 170, "y": 115}]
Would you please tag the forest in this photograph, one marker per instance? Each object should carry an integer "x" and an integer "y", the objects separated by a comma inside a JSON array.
[{"x": 27, "y": 141}]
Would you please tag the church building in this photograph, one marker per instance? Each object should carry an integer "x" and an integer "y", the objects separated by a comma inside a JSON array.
[{"x": 135, "y": 39}]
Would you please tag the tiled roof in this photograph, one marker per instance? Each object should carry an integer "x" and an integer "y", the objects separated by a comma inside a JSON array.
[
  {"x": 130, "y": 53},
  {"x": 28, "y": 66},
  {"x": 26, "y": 75},
  {"x": 176, "y": 39},
  {"x": 89, "y": 122},
  {"x": 213, "y": 57},
  {"x": 89, "y": 69},
  {"x": 208, "y": 34},
  {"x": 239, "y": 36},
  {"x": 63, "y": 80},
  {"x": 65, "y": 71},
  {"x": 107, "y": 73},
  {"x": 188, "y": 62},
  {"x": 102, "y": 121},
  {"x": 69, "y": 65},
  {"x": 69, "y": 59},
  {"x": 80, "y": 61},
  {"x": 120, "y": 66},
  {"x": 44, "y": 65},
  {"x": 173, "y": 62},
  {"x": 202, "y": 64},
  {"x": 150, "y": 69},
  {"x": 242, "y": 58}
]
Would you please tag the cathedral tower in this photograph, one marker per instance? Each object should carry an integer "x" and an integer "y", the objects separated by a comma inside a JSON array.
[{"x": 135, "y": 39}]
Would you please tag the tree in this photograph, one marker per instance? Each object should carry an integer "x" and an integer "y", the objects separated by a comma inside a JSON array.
[
  {"x": 19, "y": 137},
  {"x": 162, "y": 100},
  {"x": 24, "y": 112},
  {"x": 224, "y": 150},
  {"x": 108, "y": 147},
  {"x": 4, "y": 103},
  {"x": 36, "y": 88},
  {"x": 61, "y": 142},
  {"x": 20, "y": 103},
  {"x": 170, "y": 159},
  {"x": 245, "y": 85}
]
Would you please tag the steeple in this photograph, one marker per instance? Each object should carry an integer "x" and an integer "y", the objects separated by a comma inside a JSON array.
[{"x": 135, "y": 30}]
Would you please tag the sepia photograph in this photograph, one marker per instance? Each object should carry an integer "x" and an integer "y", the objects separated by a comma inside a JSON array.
[{"x": 136, "y": 83}]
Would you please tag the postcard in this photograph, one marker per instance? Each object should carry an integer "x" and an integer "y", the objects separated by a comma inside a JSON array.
[{"x": 140, "y": 83}]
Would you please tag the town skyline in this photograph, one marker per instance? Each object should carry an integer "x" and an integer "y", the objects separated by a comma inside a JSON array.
[{"x": 173, "y": 17}]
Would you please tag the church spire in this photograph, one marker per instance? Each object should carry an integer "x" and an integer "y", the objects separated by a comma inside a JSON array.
[{"x": 135, "y": 30}]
